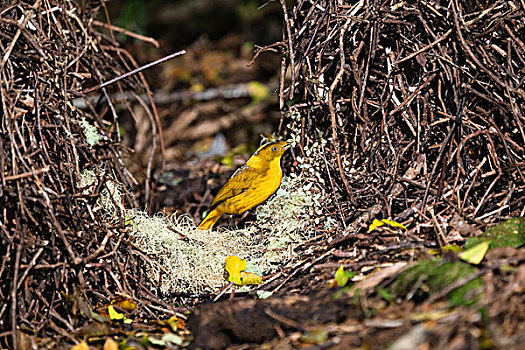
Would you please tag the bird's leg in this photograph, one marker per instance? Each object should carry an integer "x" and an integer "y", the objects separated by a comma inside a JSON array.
[
  {"x": 231, "y": 223},
  {"x": 244, "y": 215}
]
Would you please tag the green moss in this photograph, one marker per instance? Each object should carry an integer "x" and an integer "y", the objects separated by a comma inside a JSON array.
[
  {"x": 510, "y": 233},
  {"x": 432, "y": 276},
  {"x": 468, "y": 294}
]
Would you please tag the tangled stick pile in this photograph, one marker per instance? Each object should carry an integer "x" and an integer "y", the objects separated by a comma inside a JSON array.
[
  {"x": 421, "y": 103},
  {"x": 57, "y": 249}
]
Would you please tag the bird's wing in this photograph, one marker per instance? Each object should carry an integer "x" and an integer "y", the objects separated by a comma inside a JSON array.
[{"x": 238, "y": 183}]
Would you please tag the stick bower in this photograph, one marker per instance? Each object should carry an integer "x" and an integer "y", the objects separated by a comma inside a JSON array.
[
  {"x": 421, "y": 104},
  {"x": 59, "y": 254}
]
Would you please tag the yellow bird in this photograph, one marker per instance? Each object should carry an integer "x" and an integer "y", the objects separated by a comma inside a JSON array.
[{"x": 250, "y": 185}]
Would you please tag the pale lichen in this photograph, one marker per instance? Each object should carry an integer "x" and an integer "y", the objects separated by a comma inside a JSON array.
[
  {"x": 90, "y": 131},
  {"x": 186, "y": 259},
  {"x": 110, "y": 199}
]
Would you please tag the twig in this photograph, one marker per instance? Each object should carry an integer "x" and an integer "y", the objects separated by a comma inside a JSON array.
[
  {"x": 306, "y": 266},
  {"x": 14, "y": 308},
  {"x": 425, "y": 48},
  {"x": 128, "y": 33},
  {"x": 27, "y": 174},
  {"x": 264, "y": 49},
  {"x": 135, "y": 71},
  {"x": 332, "y": 109},
  {"x": 27, "y": 17},
  {"x": 290, "y": 46}
]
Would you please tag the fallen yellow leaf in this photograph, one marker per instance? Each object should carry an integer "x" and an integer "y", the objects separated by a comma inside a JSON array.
[
  {"x": 80, "y": 346},
  {"x": 475, "y": 254},
  {"x": 114, "y": 314},
  {"x": 125, "y": 304},
  {"x": 235, "y": 267},
  {"x": 378, "y": 223},
  {"x": 250, "y": 278},
  {"x": 110, "y": 344}
]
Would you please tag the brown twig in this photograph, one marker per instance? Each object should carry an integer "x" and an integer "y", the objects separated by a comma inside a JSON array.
[
  {"x": 137, "y": 36},
  {"x": 133, "y": 72}
]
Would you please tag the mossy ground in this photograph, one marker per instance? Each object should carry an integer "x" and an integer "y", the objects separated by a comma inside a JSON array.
[
  {"x": 432, "y": 276},
  {"x": 510, "y": 233}
]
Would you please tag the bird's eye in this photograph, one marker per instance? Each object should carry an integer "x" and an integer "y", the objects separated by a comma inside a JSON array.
[{"x": 274, "y": 148}]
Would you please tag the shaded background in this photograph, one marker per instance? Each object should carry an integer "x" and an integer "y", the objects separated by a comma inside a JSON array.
[{"x": 213, "y": 106}]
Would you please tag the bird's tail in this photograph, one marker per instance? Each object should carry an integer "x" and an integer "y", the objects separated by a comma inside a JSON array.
[{"x": 210, "y": 220}]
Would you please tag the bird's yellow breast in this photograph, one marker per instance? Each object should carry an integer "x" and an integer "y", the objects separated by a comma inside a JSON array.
[
  {"x": 262, "y": 187},
  {"x": 272, "y": 180}
]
